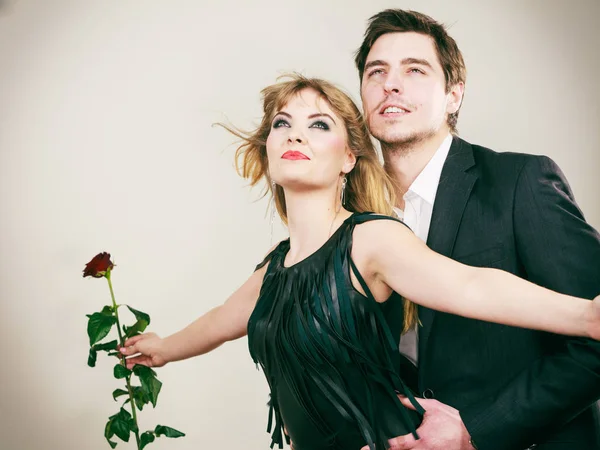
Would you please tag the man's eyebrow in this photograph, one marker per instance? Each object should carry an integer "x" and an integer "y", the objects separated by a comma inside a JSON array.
[
  {"x": 376, "y": 62},
  {"x": 422, "y": 62},
  {"x": 405, "y": 61},
  {"x": 312, "y": 116}
]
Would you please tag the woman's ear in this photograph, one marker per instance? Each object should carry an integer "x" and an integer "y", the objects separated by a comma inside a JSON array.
[{"x": 349, "y": 162}]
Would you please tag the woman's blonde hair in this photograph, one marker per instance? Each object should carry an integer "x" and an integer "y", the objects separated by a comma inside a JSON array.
[{"x": 368, "y": 187}]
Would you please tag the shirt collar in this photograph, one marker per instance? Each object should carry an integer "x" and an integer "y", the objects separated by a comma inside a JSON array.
[{"x": 426, "y": 183}]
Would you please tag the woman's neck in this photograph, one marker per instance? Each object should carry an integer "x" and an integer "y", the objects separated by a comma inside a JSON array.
[{"x": 313, "y": 216}]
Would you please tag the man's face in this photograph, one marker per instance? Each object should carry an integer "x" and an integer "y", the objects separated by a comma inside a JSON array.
[{"x": 404, "y": 90}]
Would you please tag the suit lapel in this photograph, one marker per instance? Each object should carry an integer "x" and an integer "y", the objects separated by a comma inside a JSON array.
[{"x": 451, "y": 198}]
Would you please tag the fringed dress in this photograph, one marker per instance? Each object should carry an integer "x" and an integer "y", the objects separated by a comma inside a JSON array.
[{"x": 329, "y": 353}]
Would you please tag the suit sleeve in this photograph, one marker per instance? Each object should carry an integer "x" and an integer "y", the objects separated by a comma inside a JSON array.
[{"x": 560, "y": 251}]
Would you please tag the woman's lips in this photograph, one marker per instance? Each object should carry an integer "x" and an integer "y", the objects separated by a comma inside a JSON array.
[{"x": 294, "y": 155}]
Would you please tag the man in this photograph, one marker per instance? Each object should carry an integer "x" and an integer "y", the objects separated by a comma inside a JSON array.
[{"x": 484, "y": 385}]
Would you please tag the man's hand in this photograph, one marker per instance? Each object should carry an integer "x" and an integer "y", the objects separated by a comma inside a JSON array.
[
  {"x": 288, "y": 436},
  {"x": 593, "y": 330},
  {"x": 441, "y": 429}
]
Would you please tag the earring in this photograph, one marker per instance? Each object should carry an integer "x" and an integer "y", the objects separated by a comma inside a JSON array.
[
  {"x": 273, "y": 207},
  {"x": 343, "y": 196}
]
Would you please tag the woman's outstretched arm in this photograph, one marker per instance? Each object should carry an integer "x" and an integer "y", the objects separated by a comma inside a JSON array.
[
  {"x": 393, "y": 255},
  {"x": 224, "y": 323}
]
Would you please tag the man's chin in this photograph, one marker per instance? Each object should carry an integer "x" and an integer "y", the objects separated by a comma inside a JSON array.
[{"x": 397, "y": 138}]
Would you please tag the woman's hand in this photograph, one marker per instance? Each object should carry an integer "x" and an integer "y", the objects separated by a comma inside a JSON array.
[{"x": 148, "y": 349}]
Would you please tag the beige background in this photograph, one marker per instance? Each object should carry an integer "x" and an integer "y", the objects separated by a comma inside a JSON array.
[{"x": 106, "y": 144}]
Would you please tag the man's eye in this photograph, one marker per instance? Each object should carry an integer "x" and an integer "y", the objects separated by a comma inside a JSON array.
[
  {"x": 415, "y": 70},
  {"x": 375, "y": 72}
]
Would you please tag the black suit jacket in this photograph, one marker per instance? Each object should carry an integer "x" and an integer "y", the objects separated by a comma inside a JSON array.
[{"x": 513, "y": 387}]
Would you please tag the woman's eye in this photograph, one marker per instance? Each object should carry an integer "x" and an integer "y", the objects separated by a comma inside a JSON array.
[
  {"x": 320, "y": 124},
  {"x": 280, "y": 123}
]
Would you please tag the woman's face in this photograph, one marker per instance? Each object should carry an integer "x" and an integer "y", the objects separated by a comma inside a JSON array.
[{"x": 307, "y": 145}]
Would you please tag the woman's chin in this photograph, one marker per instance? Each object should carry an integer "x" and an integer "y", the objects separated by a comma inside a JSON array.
[{"x": 298, "y": 183}]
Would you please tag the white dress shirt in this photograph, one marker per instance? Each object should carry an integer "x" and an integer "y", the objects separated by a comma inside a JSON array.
[{"x": 418, "y": 206}]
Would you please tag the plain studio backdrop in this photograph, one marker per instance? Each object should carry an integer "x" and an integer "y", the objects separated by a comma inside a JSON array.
[{"x": 106, "y": 144}]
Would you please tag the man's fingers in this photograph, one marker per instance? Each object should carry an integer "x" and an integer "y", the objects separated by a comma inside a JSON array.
[
  {"x": 403, "y": 442},
  {"x": 288, "y": 436},
  {"x": 407, "y": 403},
  {"x": 400, "y": 443}
]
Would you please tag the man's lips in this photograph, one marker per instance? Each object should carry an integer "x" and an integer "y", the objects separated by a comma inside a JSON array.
[
  {"x": 294, "y": 155},
  {"x": 393, "y": 109}
]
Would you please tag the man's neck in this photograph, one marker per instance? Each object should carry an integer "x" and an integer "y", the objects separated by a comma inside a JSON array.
[{"x": 405, "y": 164}]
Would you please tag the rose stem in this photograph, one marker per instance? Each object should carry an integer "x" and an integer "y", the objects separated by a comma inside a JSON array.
[{"x": 122, "y": 342}]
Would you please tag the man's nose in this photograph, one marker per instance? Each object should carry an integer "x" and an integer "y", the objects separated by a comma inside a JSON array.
[{"x": 394, "y": 84}]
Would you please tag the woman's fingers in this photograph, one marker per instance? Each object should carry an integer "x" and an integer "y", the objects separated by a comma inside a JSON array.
[
  {"x": 141, "y": 349},
  {"x": 131, "y": 346},
  {"x": 141, "y": 360},
  {"x": 129, "y": 350},
  {"x": 132, "y": 340}
]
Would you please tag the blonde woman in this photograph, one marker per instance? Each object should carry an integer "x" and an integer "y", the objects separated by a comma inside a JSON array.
[{"x": 324, "y": 311}]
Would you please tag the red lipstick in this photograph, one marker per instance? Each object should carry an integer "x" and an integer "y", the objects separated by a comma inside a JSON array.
[{"x": 294, "y": 155}]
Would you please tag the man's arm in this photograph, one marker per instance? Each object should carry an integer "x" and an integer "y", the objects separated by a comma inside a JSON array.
[{"x": 558, "y": 250}]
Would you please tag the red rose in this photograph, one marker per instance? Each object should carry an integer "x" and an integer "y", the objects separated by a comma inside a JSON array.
[{"x": 98, "y": 266}]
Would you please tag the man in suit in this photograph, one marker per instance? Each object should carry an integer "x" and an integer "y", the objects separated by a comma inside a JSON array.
[{"x": 484, "y": 386}]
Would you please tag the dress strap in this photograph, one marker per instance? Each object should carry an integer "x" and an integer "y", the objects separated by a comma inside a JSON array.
[
  {"x": 270, "y": 255},
  {"x": 359, "y": 218},
  {"x": 362, "y": 218}
]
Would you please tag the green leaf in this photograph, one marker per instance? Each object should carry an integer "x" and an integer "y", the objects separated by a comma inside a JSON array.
[
  {"x": 139, "y": 315},
  {"x": 92, "y": 358},
  {"x": 108, "y": 433},
  {"x": 119, "y": 392},
  {"x": 107, "y": 346},
  {"x": 161, "y": 430},
  {"x": 150, "y": 383},
  {"x": 146, "y": 438},
  {"x": 121, "y": 371},
  {"x": 143, "y": 320},
  {"x": 121, "y": 424},
  {"x": 112, "y": 345},
  {"x": 99, "y": 325},
  {"x": 140, "y": 397},
  {"x": 135, "y": 329}
]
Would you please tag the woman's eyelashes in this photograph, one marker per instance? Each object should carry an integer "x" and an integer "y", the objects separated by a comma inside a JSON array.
[
  {"x": 278, "y": 123},
  {"x": 320, "y": 124}
]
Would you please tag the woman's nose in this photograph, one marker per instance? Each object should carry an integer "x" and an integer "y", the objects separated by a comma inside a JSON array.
[{"x": 294, "y": 138}]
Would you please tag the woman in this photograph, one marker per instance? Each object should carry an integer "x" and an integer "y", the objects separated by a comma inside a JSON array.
[{"x": 323, "y": 311}]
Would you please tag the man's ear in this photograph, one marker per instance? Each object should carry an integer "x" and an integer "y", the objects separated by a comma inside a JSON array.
[{"x": 455, "y": 97}]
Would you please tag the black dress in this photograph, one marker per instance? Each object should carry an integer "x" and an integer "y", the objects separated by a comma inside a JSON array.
[{"x": 329, "y": 353}]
